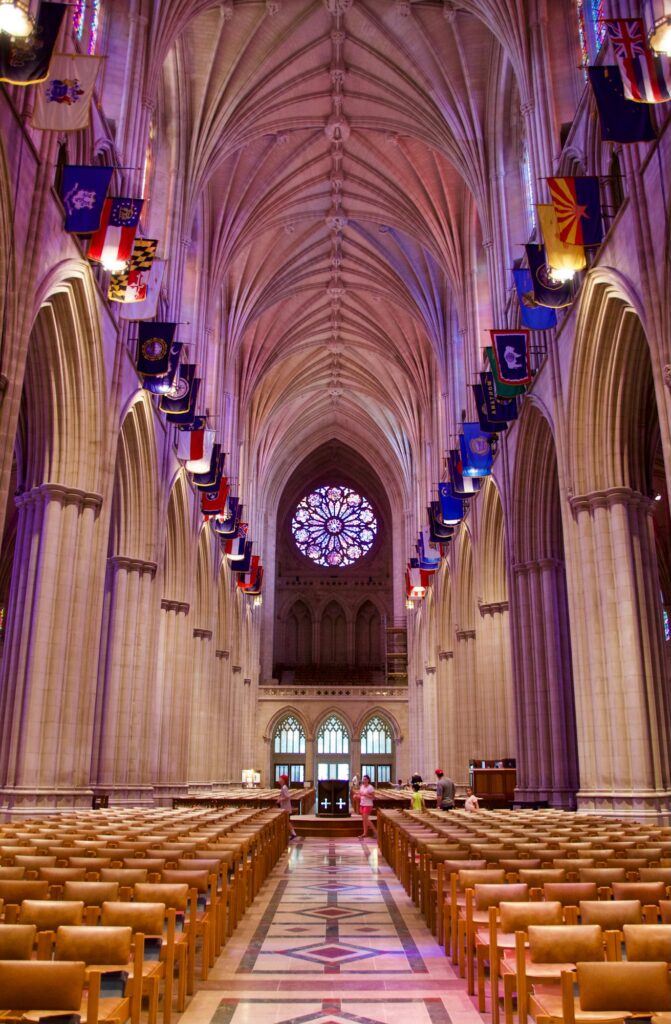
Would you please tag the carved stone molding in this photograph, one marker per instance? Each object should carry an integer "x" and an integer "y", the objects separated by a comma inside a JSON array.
[
  {"x": 236, "y": 668},
  {"x": 430, "y": 670},
  {"x": 465, "y": 634},
  {"x": 524, "y": 568},
  {"x": 419, "y": 682},
  {"x": 174, "y": 606},
  {"x": 445, "y": 655},
  {"x": 493, "y": 608},
  {"x": 247, "y": 681},
  {"x": 58, "y": 492},
  {"x": 608, "y": 499},
  {"x": 133, "y": 565},
  {"x": 223, "y": 655},
  {"x": 203, "y": 634}
]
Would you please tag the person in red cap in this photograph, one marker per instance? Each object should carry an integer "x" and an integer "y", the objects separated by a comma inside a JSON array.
[
  {"x": 284, "y": 802},
  {"x": 445, "y": 789}
]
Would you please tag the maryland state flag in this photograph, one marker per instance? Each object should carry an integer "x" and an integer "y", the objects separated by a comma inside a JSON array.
[
  {"x": 511, "y": 353},
  {"x": 120, "y": 288},
  {"x": 63, "y": 101},
  {"x": 563, "y": 257},
  {"x": 646, "y": 78},
  {"x": 577, "y": 205},
  {"x": 114, "y": 239},
  {"x": 547, "y": 291},
  {"x": 621, "y": 119},
  {"x": 83, "y": 192},
  {"x": 143, "y": 291},
  {"x": 26, "y": 61}
]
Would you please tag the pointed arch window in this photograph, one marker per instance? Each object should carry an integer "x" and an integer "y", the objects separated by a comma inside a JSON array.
[
  {"x": 290, "y": 737},
  {"x": 333, "y": 737},
  {"x": 376, "y": 737},
  {"x": 288, "y": 757},
  {"x": 377, "y": 751}
]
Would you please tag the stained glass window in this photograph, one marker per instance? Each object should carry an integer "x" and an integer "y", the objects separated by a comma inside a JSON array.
[
  {"x": 333, "y": 737},
  {"x": 528, "y": 186},
  {"x": 334, "y": 526},
  {"x": 290, "y": 737},
  {"x": 376, "y": 737},
  {"x": 591, "y": 29},
  {"x": 86, "y": 14}
]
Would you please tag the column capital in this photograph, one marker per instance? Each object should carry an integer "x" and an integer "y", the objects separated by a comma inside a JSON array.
[
  {"x": 492, "y": 607},
  {"x": 608, "y": 498},
  {"x": 223, "y": 655},
  {"x": 133, "y": 564},
  {"x": 465, "y": 634},
  {"x": 203, "y": 634},
  {"x": 445, "y": 655},
  {"x": 247, "y": 681},
  {"x": 59, "y": 492},
  {"x": 174, "y": 606},
  {"x": 236, "y": 668},
  {"x": 430, "y": 670}
]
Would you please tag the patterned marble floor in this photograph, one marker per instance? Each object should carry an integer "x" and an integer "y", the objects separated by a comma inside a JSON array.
[{"x": 332, "y": 939}]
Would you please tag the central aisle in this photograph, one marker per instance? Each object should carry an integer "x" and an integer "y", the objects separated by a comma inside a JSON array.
[{"x": 332, "y": 939}]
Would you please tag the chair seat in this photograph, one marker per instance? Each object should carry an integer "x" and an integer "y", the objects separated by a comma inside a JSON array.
[{"x": 551, "y": 1005}]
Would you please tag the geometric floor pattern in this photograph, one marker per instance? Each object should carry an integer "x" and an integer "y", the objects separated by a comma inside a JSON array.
[{"x": 332, "y": 939}]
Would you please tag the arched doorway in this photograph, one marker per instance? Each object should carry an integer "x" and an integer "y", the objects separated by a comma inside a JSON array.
[
  {"x": 289, "y": 751},
  {"x": 333, "y": 750},
  {"x": 377, "y": 751}
]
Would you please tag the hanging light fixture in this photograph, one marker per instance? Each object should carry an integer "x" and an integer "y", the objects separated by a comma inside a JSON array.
[
  {"x": 15, "y": 18},
  {"x": 109, "y": 262},
  {"x": 658, "y": 22}
]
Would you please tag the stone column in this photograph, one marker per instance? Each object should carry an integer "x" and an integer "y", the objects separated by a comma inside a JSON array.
[
  {"x": 622, "y": 702},
  {"x": 203, "y": 706},
  {"x": 430, "y": 759},
  {"x": 126, "y": 678},
  {"x": 173, "y": 705},
  {"x": 495, "y": 698},
  {"x": 447, "y": 731},
  {"x": 49, "y": 668},
  {"x": 465, "y": 703}
]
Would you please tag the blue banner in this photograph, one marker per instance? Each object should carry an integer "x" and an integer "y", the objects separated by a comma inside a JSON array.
[
  {"x": 83, "y": 192},
  {"x": 534, "y": 316},
  {"x": 476, "y": 451}
]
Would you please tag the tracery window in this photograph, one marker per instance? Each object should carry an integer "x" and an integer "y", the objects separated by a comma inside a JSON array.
[
  {"x": 333, "y": 737},
  {"x": 86, "y": 23},
  {"x": 528, "y": 186},
  {"x": 290, "y": 737},
  {"x": 334, "y": 526},
  {"x": 376, "y": 737},
  {"x": 591, "y": 29}
]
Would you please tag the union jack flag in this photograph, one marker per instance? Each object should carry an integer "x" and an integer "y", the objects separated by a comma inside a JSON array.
[{"x": 645, "y": 77}]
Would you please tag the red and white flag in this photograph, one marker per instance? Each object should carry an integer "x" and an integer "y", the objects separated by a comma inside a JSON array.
[
  {"x": 194, "y": 447},
  {"x": 112, "y": 244}
]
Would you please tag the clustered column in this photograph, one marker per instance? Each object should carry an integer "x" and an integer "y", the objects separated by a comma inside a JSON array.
[{"x": 173, "y": 690}]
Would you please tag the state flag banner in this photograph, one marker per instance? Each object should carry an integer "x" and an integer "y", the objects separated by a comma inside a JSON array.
[
  {"x": 194, "y": 449},
  {"x": 577, "y": 206},
  {"x": 249, "y": 580},
  {"x": 621, "y": 119},
  {"x": 485, "y": 421},
  {"x": 142, "y": 292},
  {"x": 476, "y": 451},
  {"x": 463, "y": 486},
  {"x": 646, "y": 78},
  {"x": 181, "y": 419},
  {"x": 511, "y": 353},
  {"x": 142, "y": 257},
  {"x": 26, "y": 61},
  {"x": 534, "y": 316},
  {"x": 213, "y": 502},
  {"x": 438, "y": 532},
  {"x": 502, "y": 390},
  {"x": 83, "y": 191},
  {"x": 547, "y": 290},
  {"x": 243, "y": 564},
  {"x": 112, "y": 244},
  {"x": 198, "y": 423},
  {"x": 451, "y": 507},
  {"x": 255, "y": 588},
  {"x": 154, "y": 343},
  {"x": 226, "y": 525},
  {"x": 63, "y": 102},
  {"x": 497, "y": 408},
  {"x": 562, "y": 257},
  {"x": 178, "y": 399},
  {"x": 210, "y": 478}
]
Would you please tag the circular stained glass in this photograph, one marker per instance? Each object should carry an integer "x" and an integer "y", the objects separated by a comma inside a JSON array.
[{"x": 334, "y": 526}]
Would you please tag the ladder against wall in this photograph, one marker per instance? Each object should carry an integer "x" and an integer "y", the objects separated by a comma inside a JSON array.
[{"x": 396, "y": 652}]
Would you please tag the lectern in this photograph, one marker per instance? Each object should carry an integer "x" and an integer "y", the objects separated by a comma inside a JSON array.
[{"x": 333, "y": 798}]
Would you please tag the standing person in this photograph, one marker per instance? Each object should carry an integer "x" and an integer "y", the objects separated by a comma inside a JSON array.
[
  {"x": 448, "y": 790},
  {"x": 284, "y": 802},
  {"x": 472, "y": 803},
  {"x": 366, "y": 795},
  {"x": 439, "y": 787},
  {"x": 417, "y": 797},
  {"x": 354, "y": 793}
]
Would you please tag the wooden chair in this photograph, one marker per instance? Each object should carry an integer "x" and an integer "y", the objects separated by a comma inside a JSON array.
[
  {"x": 92, "y": 895},
  {"x": 17, "y": 941},
  {"x": 649, "y": 893},
  {"x": 58, "y": 876},
  {"x": 604, "y": 878},
  {"x": 33, "y": 862},
  {"x": 611, "y": 916},
  {"x": 569, "y": 894},
  {"x": 479, "y": 901},
  {"x": 126, "y": 877},
  {"x": 14, "y": 891},
  {"x": 107, "y": 955},
  {"x": 665, "y": 911},
  {"x": 460, "y": 880},
  {"x": 607, "y": 992},
  {"x": 181, "y": 899},
  {"x": 147, "y": 922},
  {"x": 206, "y": 910},
  {"x": 13, "y": 873},
  {"x": 536, "y": 878},
  {"x": 552, "y": 949},
  {"x": 39, "y": 987},
  {"x": 648, "y": 941},
  {"x": 48, "y": 916}
]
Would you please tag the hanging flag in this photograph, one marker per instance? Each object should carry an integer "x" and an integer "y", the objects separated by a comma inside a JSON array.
[
  {"x": 413, "y": 584},
  {"x": 486, "y": 423},
  {"x": 425, "y": 576},
  {"x": 180, "y": 396},
  {"x": 198, "y": 423},
  {"x": 255, "y": 586},
  {"x": 249, "y": 580},
  {"x": 142, "y": 292},
  {"x": 194, "y": 449},
  {"x": 498, "y": 409},
  {"x": 438, "y": 532},
  {"x": 213, "y": 503},
  {"x": 209, "y": 478},
  {"x": 502, "y": 390},
  {"x": 534, "y": 316},
  {"x": 428, "y": 560},
  {"x": 243, "y": 564},
  {"x": 63, "y": 102},
  {"x": 154, "y": 343},
  {"x": 26, "y": 61},
  {"x": 511, "y": 352},
  {"x": 163, "y": 385},
  {"x": 462, "y": 486},
  {"x": 451, "y": 507},
  {"x": 142, "y": 257},
  {"x": 646, "y": 78},
  {"x": 577, "y": 206},
  {"x": 83, "y": 191},
  {"x": 562, "y": 257},
  {"x": 112, "y": 244},
  {"x": 181, "y": 419},
  {"x": 547, "y": 291},
  {"x": 621, "y": 119},
  {"x": 226, "y": 525},
  {"x": 476, "y": 451}
]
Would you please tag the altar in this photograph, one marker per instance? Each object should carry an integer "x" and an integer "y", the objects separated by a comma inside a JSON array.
[{"x": 333, "y": 798}]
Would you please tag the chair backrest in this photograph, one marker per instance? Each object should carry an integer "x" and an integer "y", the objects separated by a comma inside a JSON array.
[
  {"x": 98, "y": 945},
  {"x": 90, "y": 863},
  {"x": 648, "y": 941},
  {"x": 57, "y": 876},
  {"x": 515, "y": 917},
  {"x": 199, "y": 880},
  {"x": 537, "y": 877},
  {"x": 17, "y": 941},
  {"x": 12, "y": 872},
  {"x": 611, "y": 915},
  {"x": 602, "y": 876},
  {"x": 488, "y": 895},
  {"x": 147, "y": 918},
  {"x": 468, "y": 878},
  {"x": 124, "y": 876},
  {"x": 570, "y": 893},
  {"x": 638, "y": 987},
  {"x": 565, "y": 944},
  {"x": 35, "y": 861},
  {"x": 48, "y": 915},
  {"x": 655, "y": 875},
  {"x": 646, "y": 892},
  {"x": 459, "y": 865},
  {"x": 92, "y": 894},
  {"x": 41, "y": 985},
  {"x": 665, "y": 911},
  {"x": 175, "y": 895},
  {"x": 517, "y": 863},
  {"x": 149, "y": 863}
]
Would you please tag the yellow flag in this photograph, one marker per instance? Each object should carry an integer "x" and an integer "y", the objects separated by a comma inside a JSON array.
[{"x": 561, "y": 256}]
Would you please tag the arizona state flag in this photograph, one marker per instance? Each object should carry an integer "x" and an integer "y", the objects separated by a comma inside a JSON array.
[
  {"x": 577, "y": 205},
  {"x": 511, "y": 353},
  {"x": 26, "y": 61},
  {"x": 144, "y": 250},
  {"x": 562, "y": 256}
]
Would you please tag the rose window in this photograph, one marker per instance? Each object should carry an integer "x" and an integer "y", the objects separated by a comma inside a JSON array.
[{"x": 334, "y": 526}]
